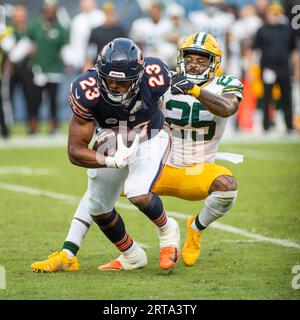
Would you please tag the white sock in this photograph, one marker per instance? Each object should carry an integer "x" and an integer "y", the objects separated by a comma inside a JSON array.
[
  {"x": 165, "y": 226},
  {"x": 69, "y": 253},
  {"x": 77, "y": 233},
  {"x": 131, "y": 249},
  {"x": 193, "y": 225},
  {"x": 217, "y": 204}
]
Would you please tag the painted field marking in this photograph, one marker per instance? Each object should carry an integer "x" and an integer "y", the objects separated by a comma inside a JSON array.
[
  {"x": 216, "y": 225},
  {"x": 28, "y": 171},
  {"x": 268, "y": 155}
]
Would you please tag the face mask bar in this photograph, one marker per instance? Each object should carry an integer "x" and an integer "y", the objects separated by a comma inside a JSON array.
[
  {"x": 118, "y": 99},
  {"x": 204, "y": 76}
]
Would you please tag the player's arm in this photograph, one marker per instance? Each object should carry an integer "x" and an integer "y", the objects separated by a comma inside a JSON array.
[
  {"x": 83, "y": 96},
  {"x": 80, "y": 135},
  {"x": 222, "y": 105},
  {"x": 81, "y": 128}
]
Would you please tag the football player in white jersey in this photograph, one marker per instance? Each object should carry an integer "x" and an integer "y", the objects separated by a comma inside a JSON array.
[{"x": 196, "y": 109}]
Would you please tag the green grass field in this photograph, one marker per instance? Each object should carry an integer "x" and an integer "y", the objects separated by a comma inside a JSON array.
[{"x": 232, "y": 266}]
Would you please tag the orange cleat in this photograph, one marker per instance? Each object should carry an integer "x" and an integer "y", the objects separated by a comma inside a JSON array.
[
  {"x": 114, "y": 265},
  {"x": 127, "y": 261},
  {"x": 168, "y": 257},
  {"x": 169, "y": 242}
]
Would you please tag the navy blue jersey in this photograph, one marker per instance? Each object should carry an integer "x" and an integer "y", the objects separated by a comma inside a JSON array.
[{"x": 86, "y": 100}]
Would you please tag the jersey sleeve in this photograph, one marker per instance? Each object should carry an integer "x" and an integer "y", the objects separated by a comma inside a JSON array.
[
  {"x": 82, "y": 96},
  {"x": 231, "y": 85},
  {"x": 158, "y": 75}
]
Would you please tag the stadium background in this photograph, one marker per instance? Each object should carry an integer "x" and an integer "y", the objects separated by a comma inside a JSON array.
[{"x": 128, "y": 11}]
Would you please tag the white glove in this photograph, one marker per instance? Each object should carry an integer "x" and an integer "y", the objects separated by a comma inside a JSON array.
[{"x": 122, "y": 155}]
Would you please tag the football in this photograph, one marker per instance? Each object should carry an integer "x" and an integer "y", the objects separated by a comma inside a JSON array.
[{"x": 106, "y": 139}]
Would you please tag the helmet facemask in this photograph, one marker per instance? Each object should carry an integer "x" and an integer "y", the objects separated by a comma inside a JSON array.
[
  {"x": 206, "y": 75},
  {"x": 119, "y": 99}
]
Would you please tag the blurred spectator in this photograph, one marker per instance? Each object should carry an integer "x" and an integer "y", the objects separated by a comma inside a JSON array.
[
  {"x": 89, "y": 18},
  {"x": 44, "y": 42},
  {"x": 215, "y": 21},
  {"x": 19, "y": 73},
  {"x": 104, "y": 34},
  {"x": 244, "y": 31},
  {"x": 4, "y": 34},
  {"x": 277, "y": 45},
  {"x": 261, "y": 7},
  {"x": 181, "y": 28},
  {"x": 152, "y": 31},
  {"x": 232, "y": 9}
]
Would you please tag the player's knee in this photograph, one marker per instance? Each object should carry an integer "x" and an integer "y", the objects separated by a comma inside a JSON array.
[
  {"x": 220, "y": 202},
  {"x": 96, "y": 207},
  {"x": 142, "y": 201},
  {"x": 105, "y": 220},
  {"x": 223, "y": 183}
]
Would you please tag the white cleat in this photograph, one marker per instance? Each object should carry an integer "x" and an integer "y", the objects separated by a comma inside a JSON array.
[
  {"x": 171, "y": 236},
  {"x": 134, "y": 260}
]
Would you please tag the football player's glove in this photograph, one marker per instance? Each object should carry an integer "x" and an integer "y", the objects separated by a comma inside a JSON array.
[
  {"x": 123, "y": 154},
  {"x": 182, "y": 85}
]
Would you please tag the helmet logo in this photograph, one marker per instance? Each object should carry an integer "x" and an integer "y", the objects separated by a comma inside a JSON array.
[
  {"x": 116, "y": 74},
  {"x": 140, "y": 57}
]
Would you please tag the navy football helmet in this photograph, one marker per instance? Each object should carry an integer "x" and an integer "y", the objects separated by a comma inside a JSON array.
[{"x": 120, "y": 60}]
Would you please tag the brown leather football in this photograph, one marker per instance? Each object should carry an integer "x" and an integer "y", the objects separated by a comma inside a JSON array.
[{"x": 106, "y": 140}]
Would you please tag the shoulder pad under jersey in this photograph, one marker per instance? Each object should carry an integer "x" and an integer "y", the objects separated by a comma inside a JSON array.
[
  {"x": 157, "y": 75},
  {"x": 231, "y": 84},
  {"x": 84, "y": 94}
]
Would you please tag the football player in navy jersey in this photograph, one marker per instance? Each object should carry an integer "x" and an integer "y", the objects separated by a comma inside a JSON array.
[{"x": 123, "y": 88}]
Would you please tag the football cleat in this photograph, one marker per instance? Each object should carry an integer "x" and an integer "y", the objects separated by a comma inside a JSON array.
[
  {"x": 169, "y": 242},
  {"x": 192, "y": 246},
  {"x": 57, "y": 261},
  {"x": 136, "y": 259}
]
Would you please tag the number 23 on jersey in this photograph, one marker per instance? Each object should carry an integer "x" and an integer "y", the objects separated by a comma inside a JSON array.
[
  {"x": 156, "y": 79},
  {"x": 91, "y": 91}
]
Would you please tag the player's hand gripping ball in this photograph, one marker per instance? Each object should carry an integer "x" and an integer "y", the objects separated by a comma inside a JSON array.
[
  {"x": 106, "y": 140},
  {"x": 119, "y": 144}
]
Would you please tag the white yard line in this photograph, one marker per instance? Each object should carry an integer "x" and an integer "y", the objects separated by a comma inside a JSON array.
[
  {"x": 73, "y": 199},
  {"x": 39, "y": 192},
  {"x": 60, "y": 140},
  {"x": 54, "y": 195},
  {"x": 267, "y": 155},
  {"x": 217, "y": 225},
  {"x": 241, "y": 241},
  {"x": 20, "y": 142},
  {"x": 27, "y": 171}
]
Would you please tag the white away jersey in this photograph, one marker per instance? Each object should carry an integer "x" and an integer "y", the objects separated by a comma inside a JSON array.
[
  {"x": 150, "y": 35},
  {"x": 196, "y": 132}
]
